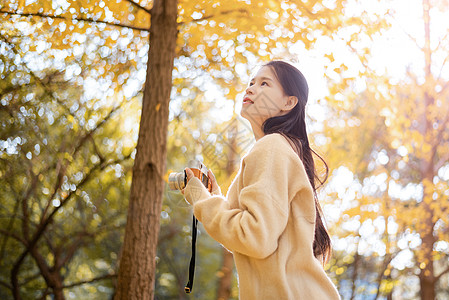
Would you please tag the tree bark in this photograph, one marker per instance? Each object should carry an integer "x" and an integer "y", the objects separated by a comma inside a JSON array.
[
  {"x": 136, "y": 274},
  {"x": 427, "y": 275}
]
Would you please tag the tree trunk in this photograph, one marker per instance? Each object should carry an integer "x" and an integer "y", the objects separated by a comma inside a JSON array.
[
  {"x": 427, "y": 286},
  {"x": 137, "y": 264},
  {"x": 427, "y": 276},
  {"x": 426, "y": 260},
  {"x": 58, "y": 292}
]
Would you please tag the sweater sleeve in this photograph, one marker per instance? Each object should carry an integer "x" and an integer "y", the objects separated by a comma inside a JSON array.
[{"x": 254, "y": 228}]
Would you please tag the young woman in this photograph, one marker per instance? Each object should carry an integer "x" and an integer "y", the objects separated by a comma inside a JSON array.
[{"x": 271, "y": 219}]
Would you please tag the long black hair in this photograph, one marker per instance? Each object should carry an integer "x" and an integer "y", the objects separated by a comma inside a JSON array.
[{"x": 292, "y": 126}]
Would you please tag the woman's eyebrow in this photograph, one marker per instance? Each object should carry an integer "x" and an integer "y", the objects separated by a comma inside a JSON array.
[{"x": 263, "y": 78}]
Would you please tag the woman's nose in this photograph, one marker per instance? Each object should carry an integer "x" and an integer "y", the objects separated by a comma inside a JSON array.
[{"x": 249, "y": 90}]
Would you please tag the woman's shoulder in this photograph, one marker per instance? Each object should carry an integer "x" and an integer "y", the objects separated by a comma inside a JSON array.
[
  {"x": 275, "y": 141},
  {"x": 273, "y": 144},
  {"x": 271, "y": 137}
]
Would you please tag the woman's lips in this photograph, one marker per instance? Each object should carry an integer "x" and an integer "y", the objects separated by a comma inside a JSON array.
[{"x": 247, "y": 100}]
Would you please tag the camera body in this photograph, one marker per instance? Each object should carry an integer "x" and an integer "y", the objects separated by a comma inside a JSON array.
[{"x": 178, "y": 181}]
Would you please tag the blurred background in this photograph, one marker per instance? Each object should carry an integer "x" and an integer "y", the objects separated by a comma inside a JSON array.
[{"x": 72, "y": 77}]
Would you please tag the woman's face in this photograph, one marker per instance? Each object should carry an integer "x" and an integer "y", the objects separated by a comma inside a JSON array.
[{"x": 264, "y": 98}]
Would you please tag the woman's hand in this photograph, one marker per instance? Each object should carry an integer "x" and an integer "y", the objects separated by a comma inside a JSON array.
[
  {"x": 215, "y": 188},
  {"x": 189, "y": 174}
]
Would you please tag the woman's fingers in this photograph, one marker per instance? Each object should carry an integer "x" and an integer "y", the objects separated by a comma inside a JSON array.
[
  {"x": 212, "y": 178},
  {"x": 189, "y": 173},
  {"x": 211, "y": 175},
  {"x": 215, "y": 188}
]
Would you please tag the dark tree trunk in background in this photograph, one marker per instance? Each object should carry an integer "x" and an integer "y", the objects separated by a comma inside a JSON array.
[
  {"x": 137, "y": 264},
  {"x": 426, "y": 259}
]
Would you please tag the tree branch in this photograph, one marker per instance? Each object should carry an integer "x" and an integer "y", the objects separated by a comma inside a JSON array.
[
  {"x": 50, "y": 245},
  {"x": 107, "y": 276},
  {"x": 96, "y": 150},
  {"x": 71, "y": 252},
  {"x": 140, "y": 6},
  {"x": 97, "y": 126},
  {"x": 440, "y": 41},
  {"x": 8, "y": 233},
  {"x": 5, "y": 284},
  {"x": 32, "y": 277},
  {"x": 441, "y": 72},
  {"x": 61, "y": 168},
  {"x": 60, "y": 175},
  {"x": 441, "y": 274},
  {"x": 88, "y": 20},
  {"x": 442, "y": 161},
  {"x": 44, "y": 268},
  {"x": 42, "y": 227},
  {"x": 412, "y": 38}
]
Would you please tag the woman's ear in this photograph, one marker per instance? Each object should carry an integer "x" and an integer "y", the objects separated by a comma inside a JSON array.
[{"x": 290, "y": 103}]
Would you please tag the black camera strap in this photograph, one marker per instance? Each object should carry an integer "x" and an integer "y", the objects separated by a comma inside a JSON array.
[{"x": 189, "y": 287}]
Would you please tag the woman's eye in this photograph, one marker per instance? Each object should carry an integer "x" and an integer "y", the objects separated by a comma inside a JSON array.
[{"x": 263, "y": 82}]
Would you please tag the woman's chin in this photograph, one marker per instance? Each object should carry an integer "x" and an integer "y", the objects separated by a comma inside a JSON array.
[
  {"x": 243, "y": 113},
  {"x": 246, "y": 110}
]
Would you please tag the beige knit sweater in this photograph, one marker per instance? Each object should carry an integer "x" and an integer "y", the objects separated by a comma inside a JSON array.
[{"x": 267, "y": 220}]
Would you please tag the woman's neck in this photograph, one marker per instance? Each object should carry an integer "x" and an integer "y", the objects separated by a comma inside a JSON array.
[{"x": 257, "y": 131}]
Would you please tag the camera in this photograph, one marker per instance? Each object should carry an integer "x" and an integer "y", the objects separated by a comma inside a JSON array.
[{"x": 178, "y": 181}]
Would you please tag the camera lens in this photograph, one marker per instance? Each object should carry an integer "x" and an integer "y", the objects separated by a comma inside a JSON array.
[{"x": 176, "y": 181}]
